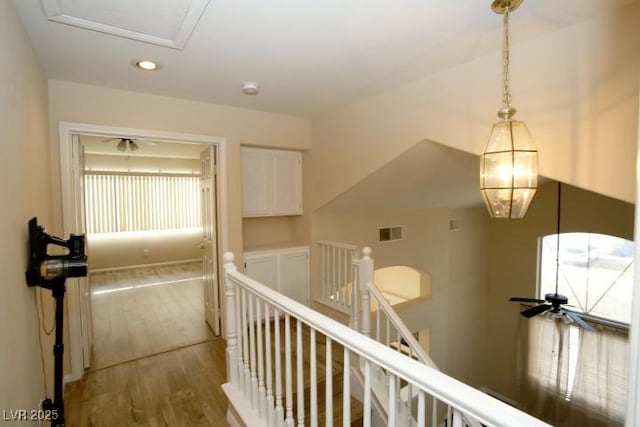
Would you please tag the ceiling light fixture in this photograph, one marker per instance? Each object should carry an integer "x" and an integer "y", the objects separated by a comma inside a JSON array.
[
  {"x": 147, "y": 65},
  {"x": 509, "y": 162},
  {"x": 250, "y": 88}
]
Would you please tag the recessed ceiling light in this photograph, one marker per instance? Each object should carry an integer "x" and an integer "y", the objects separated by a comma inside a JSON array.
[
  {"x": 250, "y": 88},
  {"x": 146, "y": 65}
]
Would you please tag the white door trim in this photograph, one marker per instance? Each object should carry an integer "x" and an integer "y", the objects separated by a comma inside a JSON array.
[{"x": 71, "y": 217}]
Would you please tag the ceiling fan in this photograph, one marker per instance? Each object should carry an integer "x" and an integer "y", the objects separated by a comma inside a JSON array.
[
  {"x": 129, "y": 144},
  {"x": 553, "y": 303}
]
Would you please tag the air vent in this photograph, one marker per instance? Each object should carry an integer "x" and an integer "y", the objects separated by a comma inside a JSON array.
[{"x": 388, "y": 234}]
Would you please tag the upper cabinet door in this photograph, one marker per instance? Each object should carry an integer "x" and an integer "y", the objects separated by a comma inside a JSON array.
[
  {"x": 287, "y": 183},
  {"x": 256, "y": 177},
  {"x": 271, "y": 182}
]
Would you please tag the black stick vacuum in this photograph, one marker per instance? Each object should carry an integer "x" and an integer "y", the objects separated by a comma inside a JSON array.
[{"x": 50, "y": 272}]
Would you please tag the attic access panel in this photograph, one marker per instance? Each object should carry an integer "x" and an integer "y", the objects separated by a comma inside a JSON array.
[{"x": 162, "y": 23}]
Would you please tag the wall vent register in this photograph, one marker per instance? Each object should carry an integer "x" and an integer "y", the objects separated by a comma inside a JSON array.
[{"x": 388, "y": 234}]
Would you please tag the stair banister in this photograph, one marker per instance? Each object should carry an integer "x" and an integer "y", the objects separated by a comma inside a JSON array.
[{"x": 459, "y": 396}]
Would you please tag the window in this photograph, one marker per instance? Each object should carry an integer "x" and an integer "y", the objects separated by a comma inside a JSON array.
[
  {"x": 595, "y": 273},
  {"x": 575, "y": 377},
  {"x": 117, "y": 202}
]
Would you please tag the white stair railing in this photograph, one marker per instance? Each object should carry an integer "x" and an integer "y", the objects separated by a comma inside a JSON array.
[
  {"x": 336, "y": 275},
  {"x": 387, "y": 327},
  {"x": 389, "y": 330},
  {"x": 254, "y": 311}
]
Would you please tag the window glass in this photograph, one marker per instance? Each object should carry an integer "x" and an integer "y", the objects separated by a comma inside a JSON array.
[{"x": 595, "y": 273}]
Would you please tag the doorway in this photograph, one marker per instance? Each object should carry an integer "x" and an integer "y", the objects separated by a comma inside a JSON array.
[{"x": 145, "y": 269}]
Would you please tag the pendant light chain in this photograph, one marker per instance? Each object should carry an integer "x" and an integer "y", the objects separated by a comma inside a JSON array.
[{"x": 506, "y": 89}]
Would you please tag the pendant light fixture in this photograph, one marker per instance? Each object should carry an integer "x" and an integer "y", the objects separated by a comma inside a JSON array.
[{"x": 509, "y": 162}]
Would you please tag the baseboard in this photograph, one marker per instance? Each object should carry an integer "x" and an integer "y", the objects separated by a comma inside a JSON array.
[{"x": 156, "y": 264}]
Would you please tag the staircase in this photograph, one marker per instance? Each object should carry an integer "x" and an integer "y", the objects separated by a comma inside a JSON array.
[
  {"x": 273, "y": 378},
  {"x": 336, "y": 377}
]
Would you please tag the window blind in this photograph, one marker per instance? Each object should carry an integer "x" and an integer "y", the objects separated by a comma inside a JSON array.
[{"x": 116, "y": 202}]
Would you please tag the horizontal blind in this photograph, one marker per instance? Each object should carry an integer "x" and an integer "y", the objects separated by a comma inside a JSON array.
[{"x": 139, "y": 202}]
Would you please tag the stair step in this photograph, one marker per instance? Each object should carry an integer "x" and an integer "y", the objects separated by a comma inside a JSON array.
[{"x": 337, "y": 365}]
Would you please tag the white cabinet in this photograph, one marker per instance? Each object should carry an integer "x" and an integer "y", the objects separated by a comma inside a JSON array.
[
  {"x": 285, "y": 270},
  {"x": 271, "y": 182}
]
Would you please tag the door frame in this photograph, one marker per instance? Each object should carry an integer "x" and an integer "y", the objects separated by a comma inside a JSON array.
[{"x": 71, "y": 215}]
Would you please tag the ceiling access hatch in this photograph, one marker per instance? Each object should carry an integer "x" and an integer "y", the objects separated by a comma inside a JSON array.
[{"x": 164, "y": 23}]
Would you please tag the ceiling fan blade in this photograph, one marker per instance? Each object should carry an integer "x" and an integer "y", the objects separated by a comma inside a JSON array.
[
  {"x": 520, "y": 299},
  {"x": 579, "y": 321},
  {"x": 122, "y": 145},
  {"x": 133, "y": 146},
  {"x": 147, "y": 142},
  {"x": 111, "y": 139},
  {"x": 534, "y": 311}
]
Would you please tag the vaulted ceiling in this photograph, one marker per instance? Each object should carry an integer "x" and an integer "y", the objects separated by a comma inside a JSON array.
[{"x": 307, "y": 56}]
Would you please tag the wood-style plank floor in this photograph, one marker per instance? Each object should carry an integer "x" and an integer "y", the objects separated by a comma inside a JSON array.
[
  {"x": 156, "y": 364},
  {"x": 177, "y": 388},
  {"x": 141, "y": 312}
]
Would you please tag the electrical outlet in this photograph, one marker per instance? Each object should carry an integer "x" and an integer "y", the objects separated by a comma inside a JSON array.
[{"x": 145, "y": 253}]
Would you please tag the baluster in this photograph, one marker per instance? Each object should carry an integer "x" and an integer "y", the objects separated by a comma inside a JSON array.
[
  {"x": 333, "y": 274},
  {"x": 240, "y": 360},
  {"x": 323, "y": 271},
  {"x": 287, "y": 372},
  {"x": 391, "y": 409},
  {"x": 262, "y": 403},
  {"x": 340, "y": 276},
  {"x": 346, "y": 390},
  {"x": 398, "y": 382},
  {"x": 421, "y": 408},
  {"x": 434, "y": 411},
  {"x": 313, "y": 395},
  {"x": 278, "y": 363},
  {"x": 355, "y": 310},
  {"x": 457, "y": 418},
  {"x": 269, "y": 367},
  {"x": 366, "y": 277},
  {"x": 230, "y": 321},
  {"x": 329, "y": 383},
  {"x": 367, "y": 393},
  {"x": 388, "y": 341},
  {"x": 410, "y": 398},
  {"x": 245, "y": 347},
  {"x": 299, "y": 373},
  {"x": 378, "y": 323},
  {"x": 252, "y": 354}
]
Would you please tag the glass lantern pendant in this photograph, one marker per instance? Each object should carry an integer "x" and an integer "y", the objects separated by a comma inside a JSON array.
[{"x": 509, "y": 162}]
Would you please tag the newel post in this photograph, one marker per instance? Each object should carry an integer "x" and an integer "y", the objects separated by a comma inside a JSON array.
[
  {"x": 365, "y": 280},
  {"x": 230, "y": 320}
]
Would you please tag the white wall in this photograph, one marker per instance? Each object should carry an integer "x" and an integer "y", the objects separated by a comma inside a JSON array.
[
  {"x": 25, "y": 189},
  {"x": 117, "y": 250},
  {"x": 576, "y": 88},
  {"x": 454, "y": 259}
]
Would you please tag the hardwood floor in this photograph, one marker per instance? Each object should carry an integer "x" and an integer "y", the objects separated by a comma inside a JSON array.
[
  {"x": 176, "y": 388},
  {"x": 141, "y": 312},
  {"x": 179, "y": 385}
]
